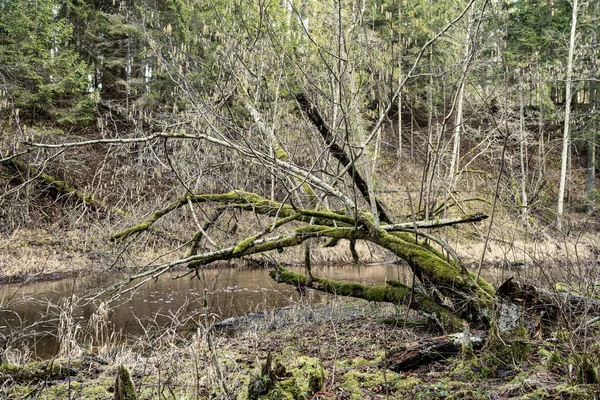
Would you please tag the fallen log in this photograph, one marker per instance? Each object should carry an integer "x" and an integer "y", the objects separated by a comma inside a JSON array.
[
  {"x": 459, "y": 294},
  {"x": 547, "y": 302},
  {"x": 425, "y": 351},
  {"x": 398, "y": 294},
  {"x": 47, "y": 370},
  {"x": 57, "y": 186}
]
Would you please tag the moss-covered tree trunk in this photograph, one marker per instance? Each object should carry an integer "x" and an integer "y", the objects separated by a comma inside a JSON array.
[{"x": 458, "y": 294}]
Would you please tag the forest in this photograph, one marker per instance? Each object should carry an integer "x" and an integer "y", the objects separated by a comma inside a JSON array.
[{"x": 451, "y": 141}]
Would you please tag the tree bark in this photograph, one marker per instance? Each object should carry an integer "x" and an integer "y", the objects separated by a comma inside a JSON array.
[
  {"x": 567, "y": 126},
  {"x": 314, "y": 115},
  {"x": 412, "y": 355},
  {"x": 397, "y": 294},
  {"x": 591, "y": 156}
]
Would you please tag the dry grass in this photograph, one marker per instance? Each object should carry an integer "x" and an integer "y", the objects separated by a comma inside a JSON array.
[
  {"x": 40, "y": 251},
  {"x": 348, "y": 338}
]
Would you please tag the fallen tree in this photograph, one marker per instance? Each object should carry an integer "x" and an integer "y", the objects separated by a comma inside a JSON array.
[
  {"x": 469, "y": 298},
  {"x": 54, "y": 186},
  {"x": 323, "y": 189},
  {"x": 448, "y": 293}
]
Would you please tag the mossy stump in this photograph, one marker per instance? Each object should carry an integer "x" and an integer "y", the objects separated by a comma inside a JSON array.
[
  {"x": 124, "y": 389},
  {"x": 275, "y": 382},
  {"x": 507, "y": 349}
]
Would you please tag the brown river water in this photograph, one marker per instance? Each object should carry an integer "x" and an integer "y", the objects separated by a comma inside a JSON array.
[{"x": 30, "y": 314}]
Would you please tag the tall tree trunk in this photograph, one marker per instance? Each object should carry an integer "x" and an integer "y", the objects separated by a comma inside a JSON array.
[
  {"x": 523, "y": 152},
  {"x": 424, "y": 195},
  {"x": 458, "y": 120},
  {"x": 399, "y": 149},
  {"x": 567, "y": 127},
  {"x": 591, "y": 156}
]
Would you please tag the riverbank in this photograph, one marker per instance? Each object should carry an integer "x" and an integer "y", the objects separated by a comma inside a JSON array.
[
  {"x": 344, "y": 342},
  {"x": 42, "y": 254}
]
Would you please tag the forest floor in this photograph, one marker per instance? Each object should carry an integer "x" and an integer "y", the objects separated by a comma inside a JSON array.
[{"x": 344, "y": 342}]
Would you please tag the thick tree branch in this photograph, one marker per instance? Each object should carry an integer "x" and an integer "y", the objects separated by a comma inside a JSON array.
[
  {"x": 312, "y": 112},
  {"x": 58, "y": 186},
  {"x": 397, "y": 294},
  {"x": 240, "y": 200},
  {"x": 438, "y": 223}
]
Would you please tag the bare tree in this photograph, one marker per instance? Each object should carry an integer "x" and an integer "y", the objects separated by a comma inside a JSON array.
[{"x": 567, "y": 124}]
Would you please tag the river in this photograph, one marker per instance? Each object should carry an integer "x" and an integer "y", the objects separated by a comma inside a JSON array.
[{"x": 30, "y": 314}]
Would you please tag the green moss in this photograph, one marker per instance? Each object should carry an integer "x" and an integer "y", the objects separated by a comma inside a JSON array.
[
  {"x": 445, "y": 388},
  {"x": 124, "y": 385},
  {"x": 577, "y": 289},
  {"x": 540, "y": 394},
  {"x": 95, "y": 389},
  {"x": 438, "y": 270},
  {"x": 244, "y": 245},
  {"x": 356, "y": 383},
  {"x": 468, "y": 394},
  {"x": 378, "y": 293},
  {"x": 467, "y": 354},
  {"x": 328, "y": 231},
  {"x": 38, "y": 371},
  {"x": 305, "y": 377},
  {"x": 469, "y": 366},
  {"x": 308, "y": 375},
  {"x": 310, "y": 193},
  {"x": 63, "y": 390},
  {"x": 576, "y": 392},
  {"x": 550, "y": 358},
  {"x": 398, "y": 294},
  {"x": 572, "y": 392},
  {"x": 281, "y": 154},
  {"x": 508, "y": 348},
  {"x": 61, "y": 186}
]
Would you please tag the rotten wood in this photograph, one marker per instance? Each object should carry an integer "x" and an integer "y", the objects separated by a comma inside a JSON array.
[{"x": 412, "y": 355}]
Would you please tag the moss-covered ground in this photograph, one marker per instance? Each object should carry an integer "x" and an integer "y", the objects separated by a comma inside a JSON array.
[{"x": 332, "y": 351}]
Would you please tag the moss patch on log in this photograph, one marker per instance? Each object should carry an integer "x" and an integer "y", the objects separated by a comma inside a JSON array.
[
  {"x": 507, "y": 348},
  {"x": 397, "y": 294},
  {"x": 440, "y": 272},
  {"x": 39, "y": 371},
  {"x": 62, "y": 187},
  {"x": 124, "y": 389},
  {"x": 240, "y": 199}
]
